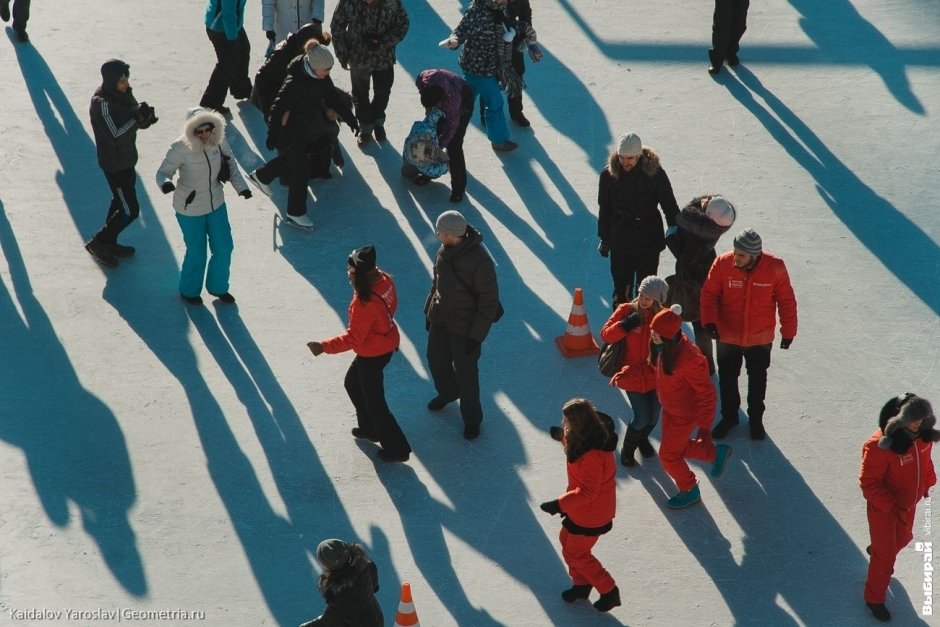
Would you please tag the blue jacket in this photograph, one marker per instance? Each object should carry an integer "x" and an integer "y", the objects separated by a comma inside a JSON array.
[{"x": 226, "y": 16}]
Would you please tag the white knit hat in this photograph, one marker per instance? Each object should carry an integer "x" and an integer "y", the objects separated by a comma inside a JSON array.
[
  {"x": 720, "y": 211},
  {"x": 630, "y": 145}
]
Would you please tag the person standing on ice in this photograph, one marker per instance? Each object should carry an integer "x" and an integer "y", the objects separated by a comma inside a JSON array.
[
  {"x": 115, "y": 117},
  {"x": 589, "y": 503},
  {"x": 225, "y": 27},
  {"x": 633, "y": 188},
  {"x": 373, "y": 335},
  {"x": 630, "y": 323},
  {"x": 201, "y": 156},
  {"x": 897, "y": 471},
  {"x": 688, "y": 399},
  {"x": 280, "y": 18},
  {"x": 744, "y": 291},
  {"x": 348, "y": 584}
]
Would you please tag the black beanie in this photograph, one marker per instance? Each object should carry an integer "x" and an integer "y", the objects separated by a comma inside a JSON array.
[
  {"x": 111, "y": 72},
  {"x": 363, "y": 259}
]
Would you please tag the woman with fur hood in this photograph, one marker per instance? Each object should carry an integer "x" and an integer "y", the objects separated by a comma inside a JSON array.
[
  {"x": 698, "y": 227},
  {"x": 199, "y": 155},
  {"x": 589, "y": 504},
  {"x": 896, "y": 473},
  {"x": 633, "y": 188},
  {"x": 348, "y": 584}
]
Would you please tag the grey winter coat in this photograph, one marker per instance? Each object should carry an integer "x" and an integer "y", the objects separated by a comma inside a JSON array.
[
  {"x": 464, "y": 297},
  {"x": 365, "y": 35}
]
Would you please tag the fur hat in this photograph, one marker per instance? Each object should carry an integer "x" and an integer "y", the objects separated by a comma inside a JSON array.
[
  {"x": 748, "y": 241},
  {"x": 654, "y": 287},
  {"x": 720, "y": 211},
  {"x": 668, "y": 322},
  {"x": 903, "y": 410},
  {"x": 363, "y": 259},
  {"x": 629, "y": 145},
  {"x": 333, "y": 554},
  {"x": 317, "y": 56},
  {"x": 451, "y": 223}
]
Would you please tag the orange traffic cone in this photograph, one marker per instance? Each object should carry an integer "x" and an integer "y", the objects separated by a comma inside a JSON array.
[
  {"x": 577, "y": 340},
  {"x": 406, "y": 616}
]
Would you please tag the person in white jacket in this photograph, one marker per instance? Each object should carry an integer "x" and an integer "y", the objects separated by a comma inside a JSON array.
[
  {"x": 200, "y": 155},
  {"x": 280, "y": 18}
]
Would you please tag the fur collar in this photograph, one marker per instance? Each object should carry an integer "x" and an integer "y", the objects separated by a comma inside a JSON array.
[
  {"x": 196, "y": 117},
  {"x": 649, "y": 163},
  {"x": 335, "y": 582},
  {"x": 693, "y": 220}
]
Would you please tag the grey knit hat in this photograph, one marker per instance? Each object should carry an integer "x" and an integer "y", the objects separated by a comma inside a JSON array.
[
  {"x": 318, "y": 57},
  {"x": 748, "y": 241},
  {"x": 629, "y": 145},
  {"x": 654, "y": 287},
  {"x": 451, "y": 223},
  {"x": 332, "y": 554}
]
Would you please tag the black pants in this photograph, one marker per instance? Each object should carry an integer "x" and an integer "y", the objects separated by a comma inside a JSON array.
[
  {"x": 757, "y": 361},
  {"x": 455, "y": 371},
  {"x": 295, "y": 163},
  {"x": 728, "y": 25},
  {"x": 628, "y": 272},
  {"x": 704, "y": 341},
  {"x": 124, "y": 207},
  {"x": 371, "y": 113},
  {"x": 518, "y": 64},
  {"x": 458, "y": 164},
  {"x": 365, "y": 384},
  {"x": 20, "y": 13},
  {"x": 230, "y": 73}
]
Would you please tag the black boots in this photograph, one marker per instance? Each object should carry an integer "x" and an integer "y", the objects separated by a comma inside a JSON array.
[
  {"x": 723, "y": 427},
  {"x": 630, "y": 443},
  {"x": 574, "y": 593},
  {"x": 757, "y": 428},
  {"x": 879, "y": 611},
  {"x": 646, "y": 447},
  {"x": 608, "y": 601}
]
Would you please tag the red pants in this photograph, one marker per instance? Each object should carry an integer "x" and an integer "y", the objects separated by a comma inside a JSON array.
[
  {"x": 889, "y": 534},
  {"x": 583, "y": 567},
  {"x": 676, "y": 447}
]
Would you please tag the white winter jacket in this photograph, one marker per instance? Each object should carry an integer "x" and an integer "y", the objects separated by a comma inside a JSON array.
[
  {"x": 287, "y": 16},
  {"x": 198, "y": 165}
]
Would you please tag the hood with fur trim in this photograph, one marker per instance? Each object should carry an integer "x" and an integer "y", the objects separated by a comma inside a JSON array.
[
  {"x": 649, "y": 163},
  {"x": 693, "y": 220},
  {"x": 903, "y": 410},
  {"x": 196, "y": 117}
]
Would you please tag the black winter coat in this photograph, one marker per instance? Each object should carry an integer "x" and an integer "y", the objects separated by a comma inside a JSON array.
[
  {"x": 273, "y": 71},
  {"x": 465, "y": 295},
  {"x": 628, "y": 218},
  {"x": 693, "y": 244},
  {"x": 350, "y": 596},
  {"x": 302, "y": 97},
  {"x": 113, "y": 120}
]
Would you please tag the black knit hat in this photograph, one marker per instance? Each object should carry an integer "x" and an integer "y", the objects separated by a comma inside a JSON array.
[{"x": 363, "y": 259}]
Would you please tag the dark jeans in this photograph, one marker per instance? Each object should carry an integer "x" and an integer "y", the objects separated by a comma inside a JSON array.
[
  {"x": 295, "y": 163},
  {"x": 371, "y": 113},
  {"x": 518, "y": 64},
  {"x": 628, "y": 272},
  {"x": 646, "y": 409},
  {"x": 455, "y": 372},
  {"x": 230, "y": 73},
  {"x": 365, "y": 384},
  {"x": 458, "y": 164},
  {"x": 704, "y": 341},
  {"x": 728, "y": 25},
  {"x": 757, "y": 361},
  {"x": 20, "y": 13},
  {"x": 124, "y": 207}
]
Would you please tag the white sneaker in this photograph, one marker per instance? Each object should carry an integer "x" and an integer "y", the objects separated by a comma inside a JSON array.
[
  {"x": 300, "y": 221},
  {"x": 265, "y": 189}
]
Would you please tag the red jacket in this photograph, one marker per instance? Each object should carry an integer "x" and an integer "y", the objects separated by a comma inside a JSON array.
[
  {"x": 890, "y": 480},
  {"x": 744, "y": 304},
  {"x": 372, "y": 330},
  {"x": 636, "y": 374},
  {"x": 687, "y": 395},
  {"x": 591, "y": 499}
]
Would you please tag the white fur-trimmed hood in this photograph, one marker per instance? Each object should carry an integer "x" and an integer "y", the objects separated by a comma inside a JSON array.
[{"x": 196, "y": 117}]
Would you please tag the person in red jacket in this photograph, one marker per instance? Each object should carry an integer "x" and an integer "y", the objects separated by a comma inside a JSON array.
[
  {"x": 630, "y": 323},
  {"x": 589, "y": 504},
  {"x": 742, "y": 295},
  {"x": 688, "y": 399},
  {"x": 373, "y": 335},
  {"x": 896, "y": 473}
]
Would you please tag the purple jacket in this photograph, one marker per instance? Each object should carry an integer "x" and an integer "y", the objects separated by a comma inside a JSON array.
[{"x": 454, "y": 89}]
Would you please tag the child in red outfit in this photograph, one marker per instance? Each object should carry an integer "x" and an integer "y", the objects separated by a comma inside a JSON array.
[
  {"x": 589, "y": 504},
  {"x": 897, "y": 472}
]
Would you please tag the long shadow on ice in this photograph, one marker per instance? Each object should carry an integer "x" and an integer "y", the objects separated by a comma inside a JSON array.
[{"x": 73, "y": 444}]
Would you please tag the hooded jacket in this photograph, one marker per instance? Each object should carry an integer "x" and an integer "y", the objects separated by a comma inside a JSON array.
[
  {"x": 288, "y": 16},
  {"x": 372, "y": 330},
  {"x": 270, "y": 76},
  {"x": 113, "y": 119},
  {"x": 629, "y": 204},
  {"x": 356, "y": 23},
  {"x": 464, "y": 296},
  {"x": 693, "y": 244},
  {"x": 635, "y": 374},
  {"x": 350, "y": 594},
  {"x": 589, "y": 503},
  {"x": 687, "y": 395},
  {"x": 744, "y": 303},
  {"x": 198, "y": 165}
]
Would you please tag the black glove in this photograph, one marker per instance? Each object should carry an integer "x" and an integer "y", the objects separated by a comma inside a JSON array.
[
  {"x": 712, "y": 329},
  {"x": 245, "y": 193},
  {"x": 354, "y": 126},
  {"x": 270, "y": 34},
  {"x": 145, "y": 116},
  {"x": 631, "y": 322},
  {"x": 557, "y": 433},
  {"x": 472, "y": 345},
  {"x": 603, "y": 248},
  {"x": 551, "y": 507},
  {"x": 785, "y": 343},
  {"x": 167, "y": 187},
  {"x": 271, "y": 142}
]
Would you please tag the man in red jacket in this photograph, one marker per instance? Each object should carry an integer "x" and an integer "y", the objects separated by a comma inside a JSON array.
[
  {"x": 897, "y": 472},
  {"x": 744, "y": 292}
]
